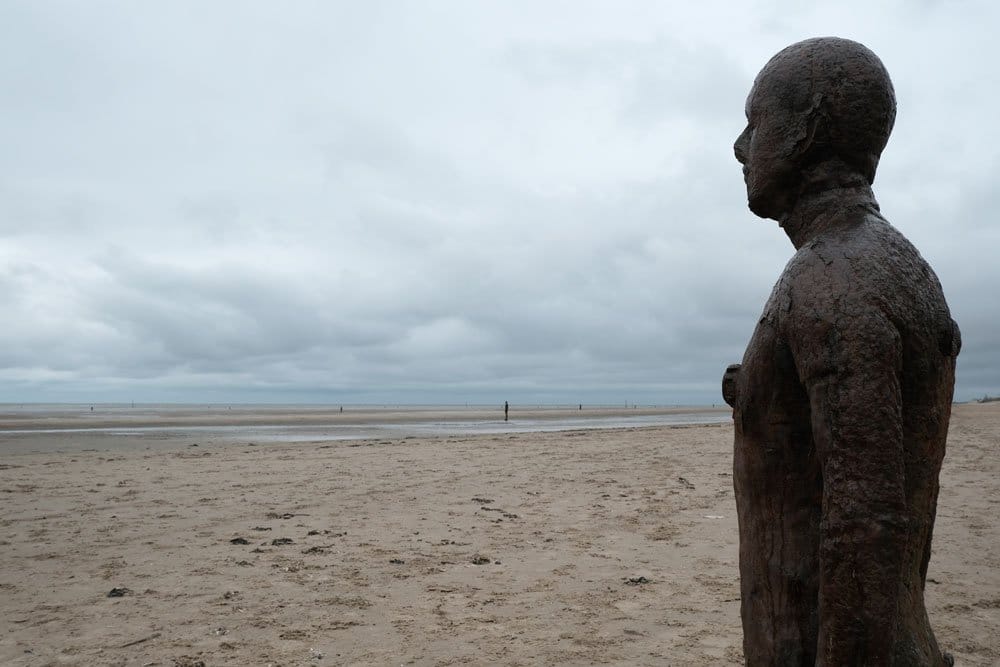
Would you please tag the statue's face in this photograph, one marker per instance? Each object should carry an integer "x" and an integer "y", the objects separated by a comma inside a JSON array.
[
  {"x": 824, "y": 100},
  {"x": 766, "y": 149}
]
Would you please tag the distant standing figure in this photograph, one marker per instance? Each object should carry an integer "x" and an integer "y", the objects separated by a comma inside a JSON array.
[{"x": 506, "y": 409}]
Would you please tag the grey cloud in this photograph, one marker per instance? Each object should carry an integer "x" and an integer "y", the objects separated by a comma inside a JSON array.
[
  {"x": 656, "y": 80},
  {"x": 345, "y": 203}
]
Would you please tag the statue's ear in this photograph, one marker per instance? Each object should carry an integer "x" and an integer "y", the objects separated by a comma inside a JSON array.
[{"x": 811, "y": 127}]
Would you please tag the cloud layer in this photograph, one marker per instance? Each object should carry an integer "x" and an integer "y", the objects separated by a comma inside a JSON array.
[{"x": 438, "y": 202}]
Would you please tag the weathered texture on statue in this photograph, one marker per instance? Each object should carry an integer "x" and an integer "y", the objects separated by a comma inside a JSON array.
[{"x": 842, "y": 401}]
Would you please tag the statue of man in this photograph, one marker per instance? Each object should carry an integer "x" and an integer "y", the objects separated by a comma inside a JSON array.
[{"x": 842, "y": 401}]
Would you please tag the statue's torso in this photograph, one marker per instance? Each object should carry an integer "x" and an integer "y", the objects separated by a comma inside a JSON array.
[{"x": 777, "y": 473}]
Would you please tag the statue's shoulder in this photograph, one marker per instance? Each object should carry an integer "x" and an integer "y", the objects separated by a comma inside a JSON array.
[
  {"x": 862, "y": 267},
  {"x": 858, "y": 252},
  {"x": 844, "y": 263}
]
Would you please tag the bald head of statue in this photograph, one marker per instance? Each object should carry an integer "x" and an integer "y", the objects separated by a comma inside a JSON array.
[{"x": 818, "y": 116}]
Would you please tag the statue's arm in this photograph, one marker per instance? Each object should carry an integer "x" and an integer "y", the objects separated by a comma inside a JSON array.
[{"x": 848, "y": 357}]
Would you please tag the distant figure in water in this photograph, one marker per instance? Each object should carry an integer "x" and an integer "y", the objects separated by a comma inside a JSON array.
[{"x": 506, "y": 409}]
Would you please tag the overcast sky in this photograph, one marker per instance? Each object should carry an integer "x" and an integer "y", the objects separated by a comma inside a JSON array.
[{"x": 422, "y": 202}]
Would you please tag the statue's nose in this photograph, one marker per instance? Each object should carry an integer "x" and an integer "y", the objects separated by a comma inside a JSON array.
[{"x": 740, "y": 147}]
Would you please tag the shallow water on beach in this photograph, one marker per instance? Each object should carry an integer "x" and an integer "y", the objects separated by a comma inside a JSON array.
[
  {"x": 292, "y": 433},
  {"x": 456, "y": 428},
  {"x": 48, "y": 433}
]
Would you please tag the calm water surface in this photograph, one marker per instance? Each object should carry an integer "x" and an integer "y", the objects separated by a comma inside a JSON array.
[{"x": 23, "y": 440}]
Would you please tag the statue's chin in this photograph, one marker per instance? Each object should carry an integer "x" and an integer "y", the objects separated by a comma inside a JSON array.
[
  {"x": 763, "y": 207},
  {"x": 769, "y": 198}
]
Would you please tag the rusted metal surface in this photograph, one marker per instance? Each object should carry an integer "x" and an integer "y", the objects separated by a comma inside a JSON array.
[{"x": 842, "y": 401}]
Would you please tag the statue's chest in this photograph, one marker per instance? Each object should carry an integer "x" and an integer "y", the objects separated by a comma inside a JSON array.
[{"x": 769, "y": 393}]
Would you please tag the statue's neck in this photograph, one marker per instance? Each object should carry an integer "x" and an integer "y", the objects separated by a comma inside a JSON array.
[{"x": 816, "y": 208}]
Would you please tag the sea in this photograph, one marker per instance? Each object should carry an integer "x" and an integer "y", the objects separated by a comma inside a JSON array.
[{"x": 24, "y": 427}]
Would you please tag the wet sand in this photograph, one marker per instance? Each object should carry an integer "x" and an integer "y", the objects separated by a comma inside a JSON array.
[
  {"x": 169, "y": 417},
  {"x": 573, "y": 547},
  {"x": 41, "y": 429}
]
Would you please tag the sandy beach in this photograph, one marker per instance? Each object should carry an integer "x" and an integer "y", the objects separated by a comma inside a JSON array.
[{"x": 573, "y": 547}]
